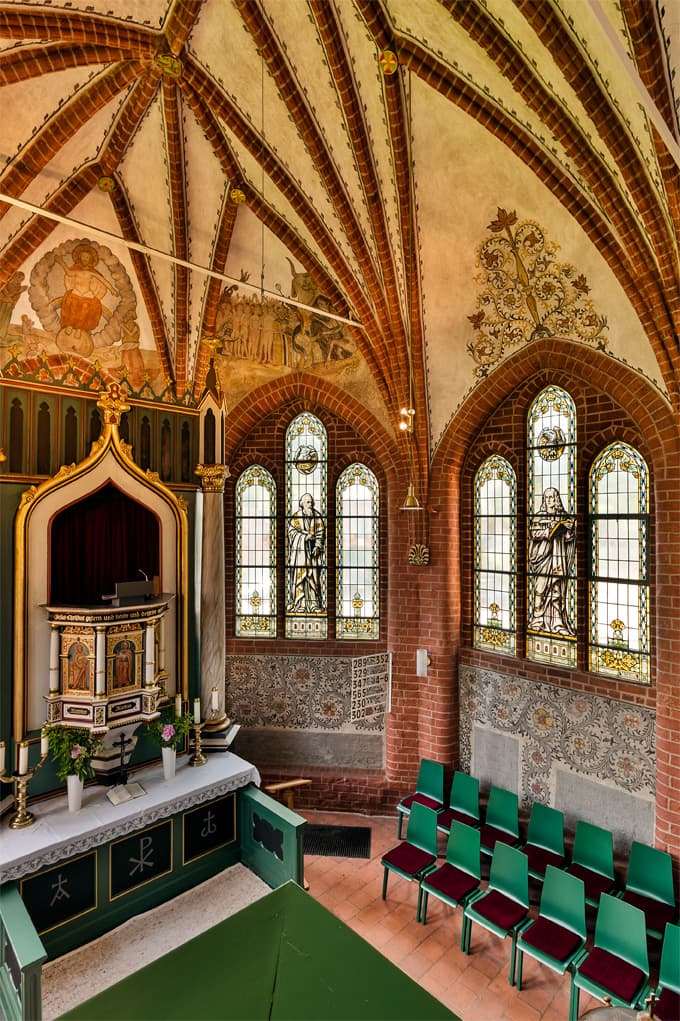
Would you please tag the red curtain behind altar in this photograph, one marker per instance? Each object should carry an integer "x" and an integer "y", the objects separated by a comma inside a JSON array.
[{"x": 98, "y": 541}]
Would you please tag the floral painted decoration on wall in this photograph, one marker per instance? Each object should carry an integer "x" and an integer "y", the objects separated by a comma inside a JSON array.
[{"x": 527, "y": 294}]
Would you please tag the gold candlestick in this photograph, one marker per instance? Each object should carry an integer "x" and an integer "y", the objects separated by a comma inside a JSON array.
[
  {"x": 21, "y": 817},
  {"x": 198, "y": 758}
]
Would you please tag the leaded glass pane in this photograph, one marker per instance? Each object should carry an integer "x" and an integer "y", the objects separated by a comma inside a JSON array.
[
  {"x": 552, "y": 528},
  {"x": 255, "y": 554},
  {"x": 306, "y": 516},
  {"x": 619, "y": 590},
  {"x": 495, "y": 556},
  {"x": 357, "y": 554}
]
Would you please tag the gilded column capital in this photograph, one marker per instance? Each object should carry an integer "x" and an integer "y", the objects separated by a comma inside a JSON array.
[{"x": 212, "y": 477}]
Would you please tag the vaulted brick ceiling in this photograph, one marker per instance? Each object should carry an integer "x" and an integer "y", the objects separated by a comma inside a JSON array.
[{"x": 140, "y": 118}]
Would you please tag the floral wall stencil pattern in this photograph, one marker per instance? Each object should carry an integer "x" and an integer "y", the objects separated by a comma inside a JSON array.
[
  {"x": 598, "y": 738},
  {"x": 308, "y": 692},
  {"x": 527, "y": 294}
]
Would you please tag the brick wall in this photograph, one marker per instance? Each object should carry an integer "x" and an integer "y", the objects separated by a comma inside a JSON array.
[{"x": 431, "y": 607}]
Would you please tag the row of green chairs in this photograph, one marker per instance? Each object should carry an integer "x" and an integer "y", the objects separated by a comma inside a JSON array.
[
  {"x": 617, "y": 967},
  {"x": 649, "y": 883}
]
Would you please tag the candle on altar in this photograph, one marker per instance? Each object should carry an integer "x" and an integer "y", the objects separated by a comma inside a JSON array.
[
  {"x": 44, "y": 742},
  {"x": 178, "y": 705},
  {"x": 2, "y": 756},
  {"x": 215, "y": 698},
  {"x": 197, "y": 710},
  {"x": 23, "y": 758}
]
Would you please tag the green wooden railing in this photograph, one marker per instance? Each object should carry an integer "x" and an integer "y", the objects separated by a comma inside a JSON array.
[{"x": 21, "y": 958}]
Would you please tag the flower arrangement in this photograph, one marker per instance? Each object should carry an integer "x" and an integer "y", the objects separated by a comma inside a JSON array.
[
  {"x": 72, "y": 749},
  {"x": 169, "y": 731}
]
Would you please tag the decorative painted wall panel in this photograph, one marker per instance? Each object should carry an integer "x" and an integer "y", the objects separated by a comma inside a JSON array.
[
  {"x": 313, "y": 693},
  {"x": 605, "y": 740}
]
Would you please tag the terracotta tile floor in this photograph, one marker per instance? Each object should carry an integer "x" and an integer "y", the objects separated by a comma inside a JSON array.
[{"x": 475, "y": 987}]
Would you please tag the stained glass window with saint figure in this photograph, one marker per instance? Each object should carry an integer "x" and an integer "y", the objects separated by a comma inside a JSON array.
[
  {"x": 551, "y": 529},
  {"x": 619, "y": 583},
  {"x": 357, "y": 554},
  {"x": 255, "y": 554},
  {"x": 495, "y": 556},
  {"x": 306, "y": 527}
]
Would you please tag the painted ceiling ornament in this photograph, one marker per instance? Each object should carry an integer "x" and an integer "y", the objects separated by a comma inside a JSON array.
[
  {"x": 388, "y": 62},
  {"x": 527, "y": 294},
  {"x": 237, "y": 196},
  {"x": 82, "y": 294},
  {"x": 168, "y": 64},
  {"x": 106, "y": 184}
]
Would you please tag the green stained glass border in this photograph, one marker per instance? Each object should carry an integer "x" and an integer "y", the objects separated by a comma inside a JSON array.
[
  {"x": 255, "y": 517},
  {"x": 357, "y": 585},
  {"x": 306, "y": 472},
  {"x": 618, "y": 584},
  {"x": 495, "y": 586}
]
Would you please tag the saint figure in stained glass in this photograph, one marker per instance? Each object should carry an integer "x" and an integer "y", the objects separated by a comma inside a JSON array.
[
  {"x": 306, "y": 542},
  {"x": 552, "y": 552}
]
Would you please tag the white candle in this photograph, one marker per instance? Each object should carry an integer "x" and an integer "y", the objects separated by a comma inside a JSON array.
[
  {"x": 23, "y": 758},
  {"x": 215, "y": 698},
  {"x": 178, "y": 705},
  {"x": 44, "y": 742},
  {"x": 197, "y": 710},
  {"x": 2, "y": 756}
]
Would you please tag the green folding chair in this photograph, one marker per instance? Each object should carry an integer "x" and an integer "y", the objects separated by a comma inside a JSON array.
[
  {"x": 504, "y": 905},
  {"x": 649, "y": 886},
  {"x": 417, "y": 855},
  {"x": 592, "y": 860},
  {"x": 463, "y": 802},
  {"x": 429, "y": 791},
  {"x": 557, "y": 937},
  {"x": 667, "y": 1006},
  {"x": 458, "y": 878},
  {"x": 545, "y": 839},
  {"x": 501, "y": 822},
  {"x": 618, "y": 966}
]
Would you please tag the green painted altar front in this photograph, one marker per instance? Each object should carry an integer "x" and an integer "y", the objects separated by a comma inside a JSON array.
[
  {"x": 284, "y": 956},
  {"x": 81, "y": 874}
]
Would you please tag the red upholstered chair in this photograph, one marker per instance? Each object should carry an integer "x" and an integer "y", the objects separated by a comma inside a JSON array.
[
  {"x": 557, "y": 937},
  {"x": 501, "y": 822},
  {"x": 458, "y": 878},
  {"x": 545, "y": 839},
  {"x": 429, "y": 791},
  {"x": 618, "y": 966},
  {"x": 414, "y": 857},
  {"x": 649, "y": 886},
  {"x": 463, "y": 802},
  {"x": 504, "y": 905},
  {"x": 592, "y": 860},
  {"x": 667, "y": 1006}
]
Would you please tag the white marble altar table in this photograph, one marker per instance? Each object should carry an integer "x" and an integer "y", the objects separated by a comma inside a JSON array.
[{"x": 58, "y": 834}]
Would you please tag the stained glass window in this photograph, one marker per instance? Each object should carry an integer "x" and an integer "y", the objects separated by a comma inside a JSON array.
[
  {"x": 551, "y": 529},
  {"x": 255, "y": 554},
  {"x": 619, "y": 589},
  {"x": 306, "y": 528},
  {"x": 357, "y": 553},
  {"x": 495, "y": 556}
]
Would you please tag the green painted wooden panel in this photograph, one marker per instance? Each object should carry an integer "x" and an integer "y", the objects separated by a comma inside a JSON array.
[
  {"x": 283, "y": 957},
  {"x": 271, "y": 838}
]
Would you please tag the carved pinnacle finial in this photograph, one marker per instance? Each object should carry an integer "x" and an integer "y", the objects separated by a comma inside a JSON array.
[{"x": 113, "y": 403}]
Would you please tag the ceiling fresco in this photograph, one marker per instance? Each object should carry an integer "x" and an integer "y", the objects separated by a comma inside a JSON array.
[{"x": 391, "y": 195}]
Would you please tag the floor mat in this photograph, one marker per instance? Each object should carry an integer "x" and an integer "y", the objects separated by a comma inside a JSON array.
[{"x": 338, "y": 841}]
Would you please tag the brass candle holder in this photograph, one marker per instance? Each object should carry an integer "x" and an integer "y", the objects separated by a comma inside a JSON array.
[
  {"x": 21, "y": 817},
  {"x": 198, "y": 758}
]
